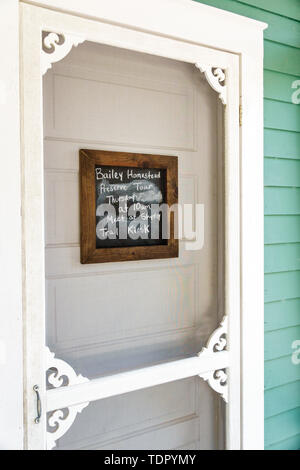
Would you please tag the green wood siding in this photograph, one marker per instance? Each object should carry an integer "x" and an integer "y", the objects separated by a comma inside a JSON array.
[{"x": 282, "y": 213}]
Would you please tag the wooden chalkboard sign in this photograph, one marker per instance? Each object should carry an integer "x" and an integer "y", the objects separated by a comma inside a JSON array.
[{"x": 123, "y": 200}]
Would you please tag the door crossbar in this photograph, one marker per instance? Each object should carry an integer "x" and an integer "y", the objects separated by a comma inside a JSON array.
[{"x": 71, "y": 393}]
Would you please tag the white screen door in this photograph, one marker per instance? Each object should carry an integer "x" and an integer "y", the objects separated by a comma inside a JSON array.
[{"x": 133, "y": 327}]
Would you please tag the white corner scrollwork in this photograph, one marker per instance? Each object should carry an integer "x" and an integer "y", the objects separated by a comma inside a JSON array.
[
  {"x": 217, "y": 379},
  {"x": 59, "y": 374},
  {"x": 217, "y": 340},
  {"x": 55, "y": 47},
  {"x": 216, "y": 78}
]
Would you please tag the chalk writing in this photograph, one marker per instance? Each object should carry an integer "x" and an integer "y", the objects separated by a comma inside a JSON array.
[{"x": 127, "y": 206}]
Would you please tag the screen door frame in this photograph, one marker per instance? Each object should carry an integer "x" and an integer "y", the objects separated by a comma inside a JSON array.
[{"x": 199, "y": 41}]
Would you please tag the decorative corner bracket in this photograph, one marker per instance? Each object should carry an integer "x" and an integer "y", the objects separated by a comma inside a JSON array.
[
  {"x": 59, "y": 374},
  {"x": 216, "y": 78},
  {"x": 217, "y": 379},
  {"x": 55, "y": 47}
]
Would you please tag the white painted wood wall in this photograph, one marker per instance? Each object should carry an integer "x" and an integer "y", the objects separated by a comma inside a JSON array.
[{"x": 107, "y": 318}]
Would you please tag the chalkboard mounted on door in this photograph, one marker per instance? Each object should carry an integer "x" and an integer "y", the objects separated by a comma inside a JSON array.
[{"x": 128, "y": 206}]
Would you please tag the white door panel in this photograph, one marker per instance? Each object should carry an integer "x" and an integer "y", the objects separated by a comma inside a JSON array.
[
  {"x": 166, "y": 417},
  {"x": 105, "y": 318}
]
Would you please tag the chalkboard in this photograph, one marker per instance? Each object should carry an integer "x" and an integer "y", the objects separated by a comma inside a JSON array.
[
  {"x": 123, "y": 201},
  {"x": 134, "y": 194}
]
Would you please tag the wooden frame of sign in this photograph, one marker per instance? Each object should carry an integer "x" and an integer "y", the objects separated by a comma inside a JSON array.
[{"x": 137, "y": 180}]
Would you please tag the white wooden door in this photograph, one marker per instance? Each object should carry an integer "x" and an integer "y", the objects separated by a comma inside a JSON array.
[
  {"x": 107, "y": 318},
  {"x": 156, "y": 95}
]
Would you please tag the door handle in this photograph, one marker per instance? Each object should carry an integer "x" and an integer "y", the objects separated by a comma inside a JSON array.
[{"x": 38, "y": 404}]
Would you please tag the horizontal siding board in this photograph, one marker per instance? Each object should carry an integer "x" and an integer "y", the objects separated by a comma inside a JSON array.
[
  {"x": 282, "y": 314},
  {"x": 282, "y": 229},
  {"x": 281, "y": 371},
  {"x": 282, "y": 144},
  {"x": 282, "y": 426},
  {"x": 292, "y": 443},
  {"x": 281, "y": 58},
  {"x": 282, "y": 213},
  {"x": 279, "y": 343},
  {"x": 282, "y": 258},
  {"x": 287, "y": 8},
  {"x": 282, "y": 286},
  {"x": 278, "y": 86},
  {"x": 282, "y": 172},
  {"x": 281, "y": 399},
  {"x": 280, "y": 29},
  {"x": 282, "y": 201},
  {"x": 279, "y": 115}
]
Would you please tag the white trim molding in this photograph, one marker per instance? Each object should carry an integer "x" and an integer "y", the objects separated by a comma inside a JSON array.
[
  {"x": 59, "y": 373},
  {"x": 71, "y": 393},
  {"x": 55, "y": 47},
  {"x": 216, "y": 78},
  {"x": 217, "y": 379},
  {"x": 11, "y": 318}
]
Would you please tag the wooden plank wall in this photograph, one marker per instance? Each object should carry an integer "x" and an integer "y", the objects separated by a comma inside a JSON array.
[{"x": 282, "y": 213}]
